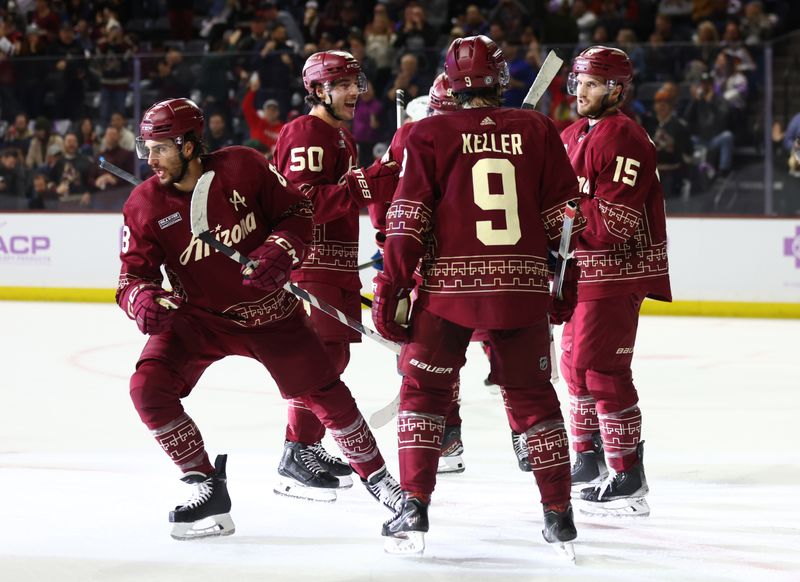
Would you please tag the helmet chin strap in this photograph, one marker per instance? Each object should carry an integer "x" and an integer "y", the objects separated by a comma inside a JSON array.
[
  {"x": 604, "y": 106},
  {"x": 328, "y": 105}
]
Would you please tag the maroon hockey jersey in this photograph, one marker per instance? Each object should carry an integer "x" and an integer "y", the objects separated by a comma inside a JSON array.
[
  {"x": 624, "y": 245},
  {"x": 314, "y": 156},
  {"x": 481, "y": 196},
  {"x": 248, "y": 200},
  {"x": 377, "y": 212}
]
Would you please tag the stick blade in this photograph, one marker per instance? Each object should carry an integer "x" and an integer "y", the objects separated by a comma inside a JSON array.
[
  {"x": 550, "y": 67},
  {"x": 198, "y": 212}
]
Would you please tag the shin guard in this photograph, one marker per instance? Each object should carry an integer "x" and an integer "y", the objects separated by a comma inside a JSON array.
[
  {"x": 548, "y": 453},
  {"x": 621, "y": 432}
]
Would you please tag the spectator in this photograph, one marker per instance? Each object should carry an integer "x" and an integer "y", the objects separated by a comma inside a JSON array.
[
  {"x": 114, "y": 189},
  {"x": 756, "y": 25},
  {"x": 358, "y": 48},
  {"x": 673, "y": 143},
  {"x": 71, "y": 173},
  {"x": 729, "y": 82},
  {"x": 114, "y": 54},
  {"x": 89, "y": 142},
  {"x": 278, "y": 62},
  {"x": 175, "y": 77},
  {"x": 12, "y": 181},
  {"x": 367, "y": 125},
  {"x": 707, "y": 117},
  {"x": 69, "y": 74},
  {"x": 19, "y": 135},
  {"x": 180, "y": 14},
  {"x": 586, "y": 21},
  {"x": 45, "y": 19},
  {"x": 627, "y": 41},
  {"x": 415, "y": 36},
  {"x": 39, "y": 195},
  {"x": 380, "y": 38},
  {"x": 265, "y": 125},
  {"x": 10, "y": 44},
  {"x": 407, "y": 79},
  {"x": 521, "y": 74},
  {"x": 310, "y": 26},
  {"x": 217, "y": 135},
  {"x": 475, "y": 22},
  {"x": 31, "y": 69},
  {"x": 559, "y": 26},
  {"x": 127, "y": 140},
  {"x": 42, "y": 139},
  {"x": 511, "y": 15}
]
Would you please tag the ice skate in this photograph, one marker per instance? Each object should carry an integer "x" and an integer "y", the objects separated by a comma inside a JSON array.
[
  {"x": 620, "y": 494},
  {"x": 559, "y": 530},
  {"x": 450, "y": 460},
  {"x": 382, "y": 486},
  {"x": 333, "y": 465},
  {"x": 589, "y": 468},
  {"x": 405, "y": 531},
  {"x": 302, "y": 476},
  {"x": 520, "y": 446},
  {"x": 207, "y": 512}
]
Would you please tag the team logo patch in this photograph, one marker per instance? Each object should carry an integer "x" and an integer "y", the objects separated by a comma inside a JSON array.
[
  {"x": 543, "y": 361},
  {"x": 169, "y": 220},
  {"x": 236, "y": 200}
]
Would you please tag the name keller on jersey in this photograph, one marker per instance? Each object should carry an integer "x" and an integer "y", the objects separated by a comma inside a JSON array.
[{"x": 501, "y": 143}]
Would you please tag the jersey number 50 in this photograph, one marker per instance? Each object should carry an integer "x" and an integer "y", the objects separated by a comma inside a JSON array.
[
  {"x": 306, "y": 157},
  {"x": 505, "y": 201}
]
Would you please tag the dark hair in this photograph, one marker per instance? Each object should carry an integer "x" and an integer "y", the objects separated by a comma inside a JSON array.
[{"x": 494, "y": 94}]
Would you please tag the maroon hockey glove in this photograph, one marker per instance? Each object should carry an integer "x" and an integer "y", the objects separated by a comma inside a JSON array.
[
  {"x": 275, "y": 258},
  {"x": 374, "y": 184},
  {"x": 151, "y": 307},
  {"x": 563, "y": 308},
  {"x": 390, "y": 308}
]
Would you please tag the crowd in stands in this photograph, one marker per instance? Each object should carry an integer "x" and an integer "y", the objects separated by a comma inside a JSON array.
[{"x": 75, "y": 74}]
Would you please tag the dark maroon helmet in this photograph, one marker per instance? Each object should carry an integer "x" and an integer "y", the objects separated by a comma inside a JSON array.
[
  {"x": 329, "y": 66},
  {"x": 611, "y": 64},
  {"x": 441, "y": 95},
  {"x": 171, "y": 118},
  {"x": 475, "y": 62}
]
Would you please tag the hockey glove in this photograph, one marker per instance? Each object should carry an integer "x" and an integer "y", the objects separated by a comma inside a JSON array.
[
  {"x": 390, "y": 308},
  {"x": 274, "y": 260},
  {"x": 563, "y": 308},
  {"x": 151, "y": 307},
  {"x": 374, "y": 184}
]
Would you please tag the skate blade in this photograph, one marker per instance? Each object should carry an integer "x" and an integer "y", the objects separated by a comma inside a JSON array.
[
  {"x": 410, "y": 543},
  {"x": 215, "y": 525},
  {"x": 289, "y": 488},
  {"x": 564, "y": 550},
  {"x": 345, "y": 481},
  {"x": 452, "y": 464},
  {"x": 630, "y": 507},
  {"x": 576, "y": 488}
]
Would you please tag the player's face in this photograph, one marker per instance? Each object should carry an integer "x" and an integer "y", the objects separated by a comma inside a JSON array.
[
  {"x": 164, "y": 159},
  {"x": 590, "y": 92},
  {"x": 344, "y": 96}
]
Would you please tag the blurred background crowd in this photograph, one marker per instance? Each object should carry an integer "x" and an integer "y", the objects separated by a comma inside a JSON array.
[{"x": 75, "y": 76}]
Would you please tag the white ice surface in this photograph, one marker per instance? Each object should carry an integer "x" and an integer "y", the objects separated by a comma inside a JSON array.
[{"x": 85, "y": 490}]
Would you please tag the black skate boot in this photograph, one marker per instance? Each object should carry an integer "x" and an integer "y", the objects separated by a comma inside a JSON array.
[
  {"x": 302, "y": 476},
  {"x": 520, "y": 445},
  {"x": 209, "y": 504},
  {"x": 452, "y": 448},
  {"x": 620, "y": 494},
  {"x": 406, "y": 529},
  {"x": 559, "y": 529},
  {"x": 382, "y": 486},
  {"x": 589, "y": 468},
  {"x": 333, "y": 465}
]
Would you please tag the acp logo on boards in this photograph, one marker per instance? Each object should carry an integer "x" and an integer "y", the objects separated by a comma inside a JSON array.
[
  {"x": 791, "y": 247},
  {"x": 23, "y": 247}
]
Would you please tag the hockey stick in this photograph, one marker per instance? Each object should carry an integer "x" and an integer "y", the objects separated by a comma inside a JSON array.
[
  {"x": 400, "y": 106},
  {"x": 547, "y": 72},
  {"x": 564, "y": 253},
  {"x": 199, "y": 223}
]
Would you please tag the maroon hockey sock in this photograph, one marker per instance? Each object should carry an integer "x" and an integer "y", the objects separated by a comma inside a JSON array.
[
  {"x": 182, "y": 441},
  {"x": 621, "y": 432},
  {"x": 583, "y": 422},
  {"x": 548, "y": 453}
]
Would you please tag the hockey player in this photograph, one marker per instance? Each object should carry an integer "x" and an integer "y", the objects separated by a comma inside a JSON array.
[
  {"x": 622, "y": 254},
  {"x": 214, "y": 310},
  {"x": 317, "y": 153},
  {"x": 480, "y": 201}
]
